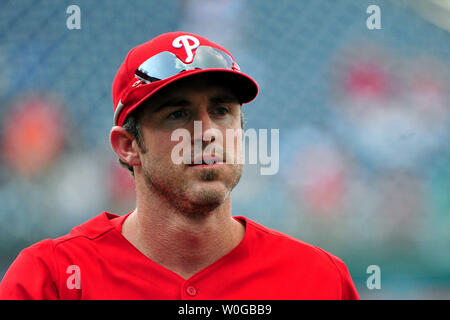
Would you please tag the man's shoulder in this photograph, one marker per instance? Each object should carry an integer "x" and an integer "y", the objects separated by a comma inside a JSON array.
[
  {"x": 302, "y": 263},
  {"x": 289, "y": 247},
  {"x": 89, "y": 230}
]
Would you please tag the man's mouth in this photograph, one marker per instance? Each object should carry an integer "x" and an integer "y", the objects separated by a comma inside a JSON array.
[
  {"x": 202, "y": 165},
  {"x": 205, "y": 161}
]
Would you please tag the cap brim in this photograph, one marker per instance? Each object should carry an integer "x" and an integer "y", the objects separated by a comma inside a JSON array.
[{"x": 244, "y": 87}]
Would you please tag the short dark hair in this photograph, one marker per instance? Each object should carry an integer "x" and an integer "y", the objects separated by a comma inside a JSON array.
[{"x": 133, "y": 126}]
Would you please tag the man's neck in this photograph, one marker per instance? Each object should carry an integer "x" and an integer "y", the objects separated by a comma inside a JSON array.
[{"x": 182, "y": 243}]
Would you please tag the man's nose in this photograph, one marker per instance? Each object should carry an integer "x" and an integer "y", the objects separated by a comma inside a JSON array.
[
  {"x": 205, "y": 118},
  {"x": 204, "y": 128}
]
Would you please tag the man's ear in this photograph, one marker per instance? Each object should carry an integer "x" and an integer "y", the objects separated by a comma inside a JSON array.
[{"x": 122, "y": 144}]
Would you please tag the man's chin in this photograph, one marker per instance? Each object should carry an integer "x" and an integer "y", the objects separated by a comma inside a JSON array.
[
  {"x": 204, "y": 200},
  {"x": 209, "y": 195}
]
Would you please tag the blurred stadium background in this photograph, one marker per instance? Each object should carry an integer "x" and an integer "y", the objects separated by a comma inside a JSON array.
[{"x": 363, "y": 118}]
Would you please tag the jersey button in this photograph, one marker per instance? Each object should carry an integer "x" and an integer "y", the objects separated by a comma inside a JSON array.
[{"x": 191, "y": 291}]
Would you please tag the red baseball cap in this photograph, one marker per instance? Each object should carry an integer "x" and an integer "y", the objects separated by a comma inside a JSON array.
[{"x": 167, "y": 58}]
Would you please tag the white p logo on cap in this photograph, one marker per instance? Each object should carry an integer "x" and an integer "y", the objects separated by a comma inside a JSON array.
[{"x": 183, "y": 41}]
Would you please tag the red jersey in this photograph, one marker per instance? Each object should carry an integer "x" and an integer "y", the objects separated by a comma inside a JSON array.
[{"x": 95, "y": 261}]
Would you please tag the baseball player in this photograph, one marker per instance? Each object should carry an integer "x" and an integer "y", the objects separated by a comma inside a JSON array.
[{"x": 181, "y": 241}]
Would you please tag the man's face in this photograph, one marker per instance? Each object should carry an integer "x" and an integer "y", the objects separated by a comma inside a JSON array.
[{"x": 190, "y": 188}]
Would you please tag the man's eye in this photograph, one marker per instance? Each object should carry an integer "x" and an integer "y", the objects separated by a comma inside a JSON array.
[
  {"x": 221, "y": 111},
  {"x": 179, "y": 114}
]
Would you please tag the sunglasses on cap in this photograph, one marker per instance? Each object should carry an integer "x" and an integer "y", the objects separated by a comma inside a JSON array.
[{"x": 165, "y": 64}]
